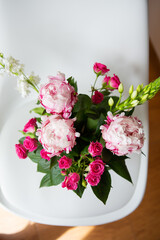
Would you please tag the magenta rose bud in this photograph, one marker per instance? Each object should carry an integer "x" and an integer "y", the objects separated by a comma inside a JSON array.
[
  {"x": 112, "y": 82},
  {"x": 45, "y": 154},
  {"x": 95, "y": 149},
  {"x": 30, "y": 144},
  {"x": 21, "y": 151},
  {"x": 65, "y": 162},
  {"x": 100, "y": 68},
  {"x": 71, "y": 181},
  {"x": 93, "y": 180},
  {"x": 58, "y": 96},
  {"x": 30, "y": 125},
  {"x": 97, "y": 97},
  {"x": 123, "y": 134},
  {"x": 97, "y": 167}
]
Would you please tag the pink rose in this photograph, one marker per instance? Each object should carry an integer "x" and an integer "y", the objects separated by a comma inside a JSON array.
[
  {"x": 57, "y": 134},
  {"x": 44, "y": 154},
  {"x": 21, "y": 151},
  {"x": 71, "y": 181},
  {"x": 100, "y": 68},
  {"x": 112, "y": 82},
  {"x": 93, "y": 180},
  {"x": 30, "y": 125},
  {"x": 65, "y": 162},
  {"x": 96, "y": 167},
  {"x": 58, "y": 96},
  {"x": 122, "y": 134},
  {"x": 30, "y": 144},
  {"x": 97, "y": 97},
  {"x": 95, "y": 148}
]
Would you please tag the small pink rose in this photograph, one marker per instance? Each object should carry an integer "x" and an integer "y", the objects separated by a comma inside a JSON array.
[
  {"x": 44, "y": 154},
  {"x": 97, "y": 97},
  {"x": 112, "y": 82},
  {"x": 71, "y": 181},
  {"x": 30, "y": 144},
  {"x": 97, "y": 167},
  {"x": 21, "y": 151},
  {"x": 100, "y": 68},
  {"x": 93, "y": 180},
  {"x": 30, "y": 125},
  {"x": 65, "y": 162},
  {"x": 95, "y": 149}
]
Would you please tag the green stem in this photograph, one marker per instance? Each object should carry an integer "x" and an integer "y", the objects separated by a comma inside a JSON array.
[{"x": 93, "y": 88}]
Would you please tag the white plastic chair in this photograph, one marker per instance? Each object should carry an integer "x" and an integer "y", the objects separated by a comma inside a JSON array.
[{"x": 69, "y": 36}]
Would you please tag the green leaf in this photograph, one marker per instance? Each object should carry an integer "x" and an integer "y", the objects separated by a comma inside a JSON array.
[
  {"x": 43, "y": 166},
  {"x": 100, "y": 122},
  {"x": 73, "y": 83},
  {"x": 103, "y": 188},
  {"x": 83, "y": 103},
  {"x": 80, "y": 190},
  {"x": 92, "y": 123},
  {"x": 56, "y": 177},
  {"x": 85, "y": 150},
  {"x": 46, "y": 181},
  {"x": 102, "y": 142},
  {"x": 21, "y": 140},
  {"x": 32, "y": 135},
  {"x": 35, "y": 156},
  {"x": 38, "y": 110},
  {"x": 117, "y": 164}
]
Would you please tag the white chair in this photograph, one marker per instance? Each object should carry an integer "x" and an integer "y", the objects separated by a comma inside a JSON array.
[{"x": 69, "y": 36}]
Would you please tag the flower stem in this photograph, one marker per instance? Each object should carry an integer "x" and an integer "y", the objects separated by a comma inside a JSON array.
[{"x": 93, "y": 88}]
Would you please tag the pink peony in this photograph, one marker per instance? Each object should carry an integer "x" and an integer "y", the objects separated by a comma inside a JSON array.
[
  {"x": 57, "y": 134},
  {"x": 100, "y": 68},
  {"x": 96, "y": 167},
  {"x": 71, "y": 181},
  {"x": 30, "y": 125},
  {"x": 122, "y": 134},
  {"x": 95, "y": 148},
  {"x": 30, "y": 144},
  {"x": 21, "y": 151},
  {"x": 58, "y": 96},
  {"x": 97, "y": 97},
  {"x": 44, "y": 154},
  {"x": 112, "y": 82},
  {"x": 93, "y": 180},
  {"x": 65, "y": 162}
]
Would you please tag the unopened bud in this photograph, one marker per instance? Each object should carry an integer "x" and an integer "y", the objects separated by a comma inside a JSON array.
[
  {"x": 141, "y": 86},
  {"x": 110, "y": 102},
  {"x": 138, "y": 88},
  {"x": 134, "y": 94},
  {"x": 1, "y": 55},
  {"x": 84, "y": 183},
  {"x": 144, "y": 98},
  {"x": 134, "y": 103},
  {"x": 120, "y": 88},
  {"x": 131, "y": 89}
]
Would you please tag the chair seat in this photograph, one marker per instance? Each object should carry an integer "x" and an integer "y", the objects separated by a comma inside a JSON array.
[{"x": 69, "y": 36}]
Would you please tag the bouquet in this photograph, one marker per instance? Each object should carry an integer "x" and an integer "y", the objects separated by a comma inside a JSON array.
[{"x": 76, "y": 139}]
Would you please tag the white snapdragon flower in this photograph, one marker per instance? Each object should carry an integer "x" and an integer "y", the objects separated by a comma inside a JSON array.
[
  {"x": 23, "y": 86},
  {"x": 34, "y": 79},
  {"x": 12, "y": 66}
]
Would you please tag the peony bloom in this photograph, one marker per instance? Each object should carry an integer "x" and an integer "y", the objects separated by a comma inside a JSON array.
[
  {"x": 30, "y": 144},
  {"x": 112, "y": 82},
  {"x": 71, "y": 181},
  {"x": 96, "y": 167},
  {"x": 100, "y": 68},
  {"x": 65, "y": 162},
  {"x": 97, "y": 97},
  {"x": 57, "y": 134},
  {"x": 45, "y": 155},
  {"x": 58, "y": 96},
  {"x": 21, "y": 151},
  {"x": 93, "y": 180},
  {"x": 30, "y": 125},
  {"x": 122, "y": 134},
  {"x": 95, "y": 149}
]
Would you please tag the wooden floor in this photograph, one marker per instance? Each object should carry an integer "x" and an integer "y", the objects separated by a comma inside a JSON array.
[{"x": 142, "y": 224}]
